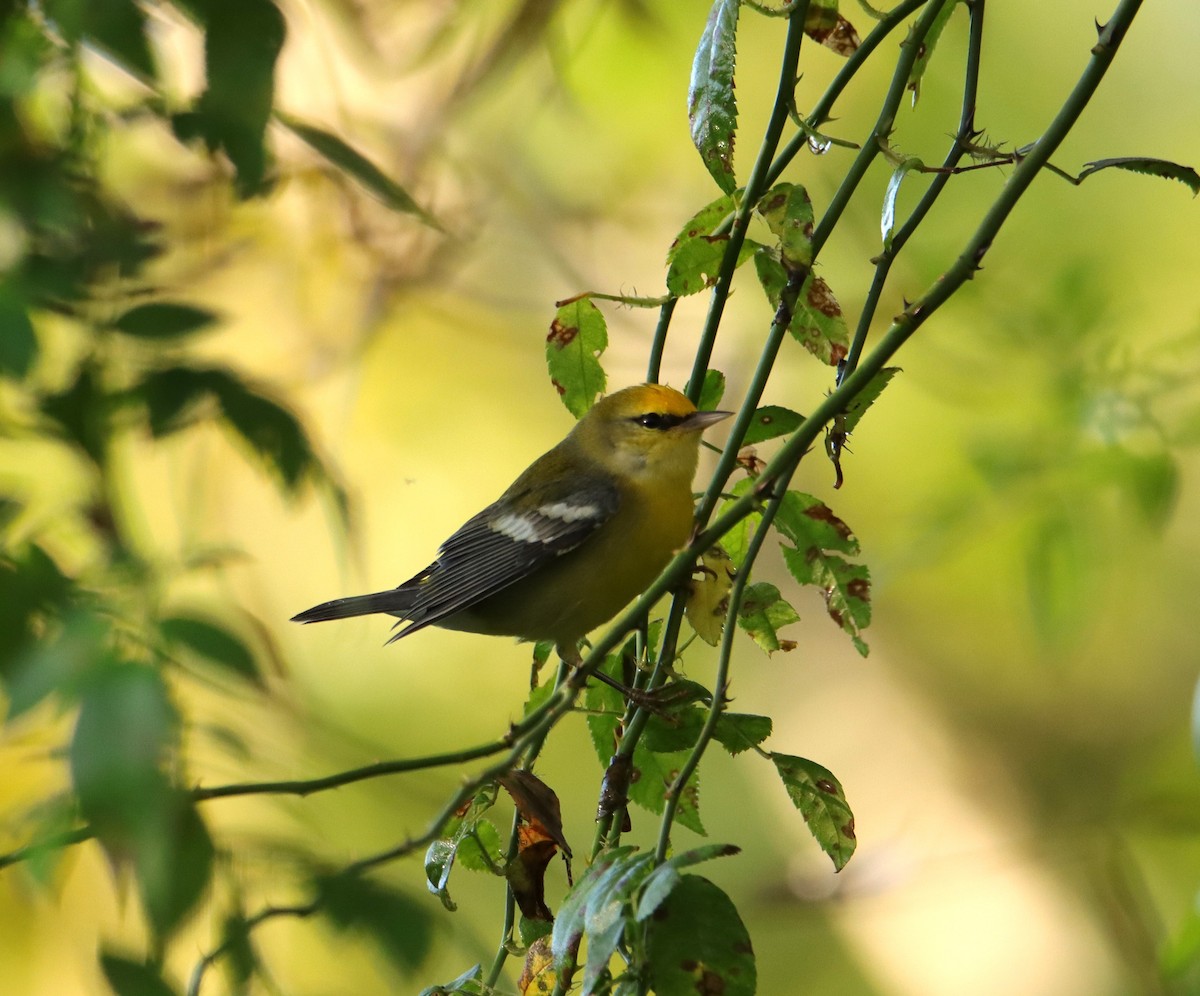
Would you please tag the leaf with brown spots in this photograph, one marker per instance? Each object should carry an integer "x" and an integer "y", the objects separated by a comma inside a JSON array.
[
  {"x": 811, "y": 525},
  {"x": 538, "y": 977},
  {"x": 712, "y": 106},
  {"x": 770, "y": 422},
  {"x": 928, "y": 44},
  {"x": 846, "y": 587},
  {"x": 695, "y": 256},
  {"x": 697, "y": 945},
  {"x": 822, "y": 802},
  {"x": 653, "y": 774},
  {"x": 817, "y": 321},
  {"x": 578, "y": 335},
  {"x": 763, "y": 613},
  {"x": 708, "y": 594},
  {"x": 788, "y": 212}
]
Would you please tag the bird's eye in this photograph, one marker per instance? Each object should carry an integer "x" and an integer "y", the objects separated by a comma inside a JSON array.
[{"x": 657, "y": 420}]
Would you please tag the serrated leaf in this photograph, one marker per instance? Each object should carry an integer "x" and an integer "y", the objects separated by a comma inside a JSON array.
[
  {"x": 163, "y": 320},
  {"x": 401, "y": 928},
  {"x": 712, "y": 391},
  {"x": 788, "y": 212},
  {"x": 696, "y": 942},
  {"x": 214, "y": 643},
  {"x": 867, "y": 397},
  {"x": 357, "y": 166},
  {"x": 538, "y": 974},
  {"x": 695, "y": 257},
  {"x": 653, "y": 775},
  {"x": 810, "y": 524},
  {"x": 578, "y": 335},
  {"x": 569, "y": 924},
  {"x": 674, "y": 730},
  {"x": 817, "y": 320},
  {"x": 763, "y": 613},
  {"x": 712, "y": 106},
  {"x": 928, "y": 45},
  {"x": 1161, "y": 168},
  {"x": 770, "y": 422},
  {"x": 887, "y": 218},
  {"x": 737, "y": 540},
  {"x": 845, "y": 586},
  {"x": 481, "y": 848},
  {"x": 822, "y": 802},
  {"x": 739, "y": 731}
]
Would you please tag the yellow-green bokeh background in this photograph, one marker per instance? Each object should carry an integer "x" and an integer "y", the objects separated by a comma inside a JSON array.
[{"x": 1017, "y": 746}]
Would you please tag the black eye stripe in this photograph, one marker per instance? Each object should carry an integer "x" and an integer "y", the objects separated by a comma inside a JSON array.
[{"x": 658, "y": 420}]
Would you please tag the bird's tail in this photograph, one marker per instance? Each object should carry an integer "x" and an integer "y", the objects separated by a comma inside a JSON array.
[{"x": 394, "y": 601}]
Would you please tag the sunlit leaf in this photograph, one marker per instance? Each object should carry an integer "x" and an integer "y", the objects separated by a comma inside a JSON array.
[
  {"x": 822, "y": 802},
  {"x": 788, "y": 212},
  {"x": 538, "y": 974},
  {"x": 739, "y": 731},
  {"x": 354, "y": 164},
  {"x": 712, "y": 107},
  {"x": 763, "y": 613},
  {"x": 737, "y": 540},
  {"x": 695, "y": 257},
  {"x": 697, "y": 943},
  {"x": 578, "y": 335},
  {"x": 817, "y": 320},
  {"x": 811, "y": 525},
  {"x": 1149, "y": 167},
  {"x": 708, "y": 594}
]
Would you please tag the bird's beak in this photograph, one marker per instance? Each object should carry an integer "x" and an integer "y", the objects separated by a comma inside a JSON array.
[{"x": 699, "y": 421}]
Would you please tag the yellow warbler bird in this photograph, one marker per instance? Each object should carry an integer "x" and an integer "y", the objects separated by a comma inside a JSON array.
[{"x": 572, "y": 541}]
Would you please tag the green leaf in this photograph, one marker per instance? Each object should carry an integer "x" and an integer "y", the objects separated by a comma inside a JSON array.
[
  {"x": 1149, "y": 167},
  {"x": 272, "y": 432},
  {"x": 56, "y": 663},
  {"x": 469, "y": 982},
  {"x": 353, "y": 163},
  {"x": 18, "y": 342},
  {"x": 811, "y": 526},
  {"x": 675, "y": 730},
  {"x": 569, "y": 924},
  {"x": 817, "y": 321},
  {"x": 164, "y": 320},
  {"x": 481, "y": 849},
  {"x": 712, "y": 107},
  {"x": 173, "y": 396},
  {"x": 82, "y": 414},
  {"x": 846, "y": 587},
  {"x": 927, "y": 46},
  {"x": 174, "y": 867},
  {"x": 128, "y": 977},
  {"x": 240, "y": 957},
  {"x": 887, "y": 220},
  {"x": 737, "y": 540},
  {"x": 763, "y": 613},
  {"x": 578, "y": 335},
  {"x": 788, "y": 212},
  {"x": 116, "y": 26},
  {"x": 33, "y": 590},
  {"x": 402, "y": 929},
  {"x": 695, "y": 257},
  {"x": 822, "y": 802},
  {"x": 697, "y": 943},
  {"x": 712, "y": 391},
  {"x": 770, "y": 422},
  {"x": 214, "y": 643},
  {"x": 739, "y": 731},
  {"x": 867, "y": 397},
  {"x": 242, "y": 41},
  {"x": 665, "y": 878},
  {"x": 605, "y": 912},
  {"x": 653, "y": 775}
]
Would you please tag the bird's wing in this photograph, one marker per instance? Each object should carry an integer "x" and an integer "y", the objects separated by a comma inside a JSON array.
[{"x": 499, "y": 546}]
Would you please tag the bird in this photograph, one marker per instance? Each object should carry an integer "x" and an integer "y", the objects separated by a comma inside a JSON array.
[{"x": 576, "y": 537}]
